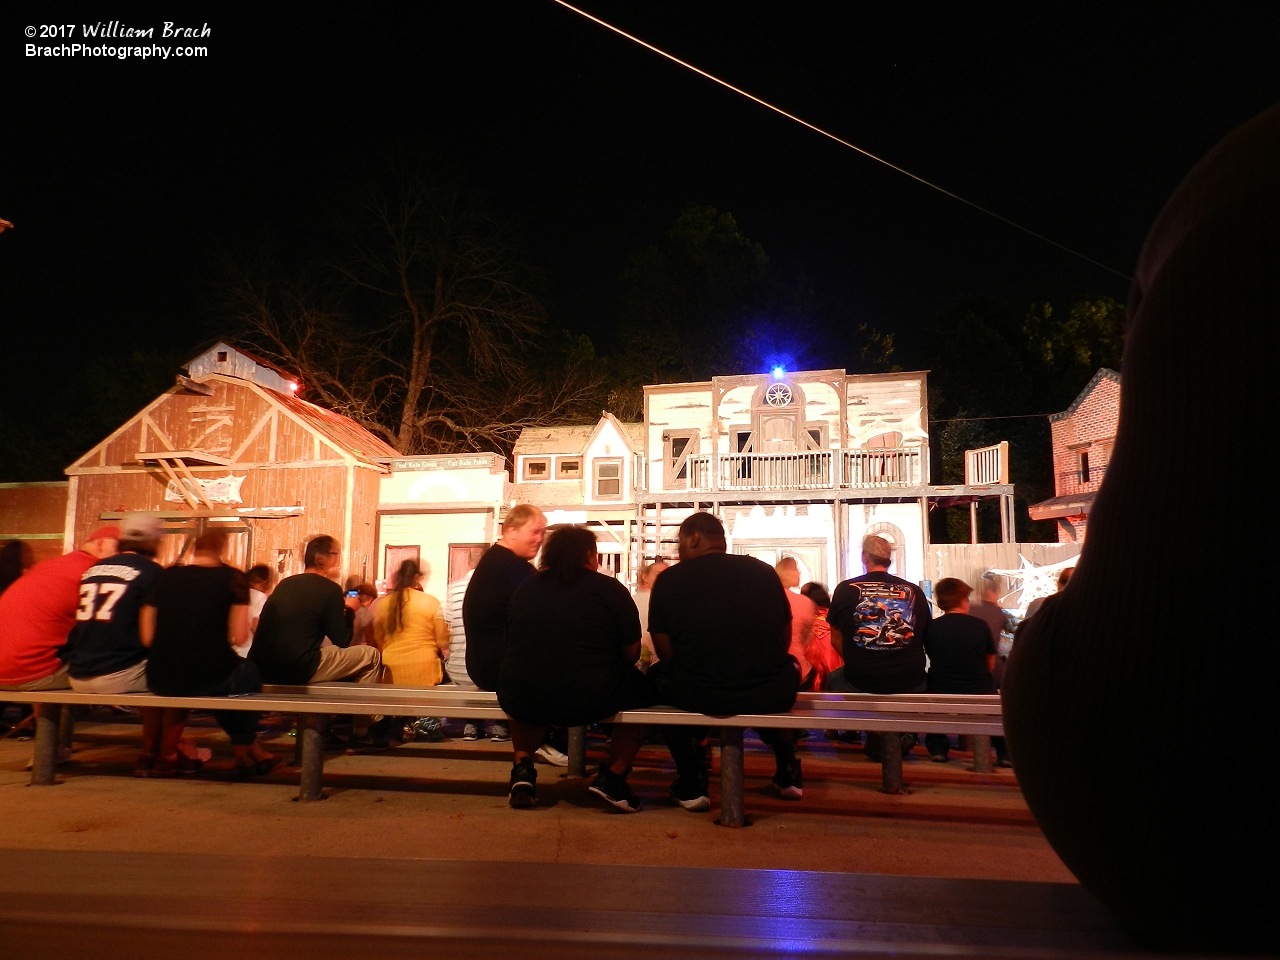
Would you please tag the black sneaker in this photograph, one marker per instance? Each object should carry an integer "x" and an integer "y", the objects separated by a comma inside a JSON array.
[
  {"x": 524, "y": 785},
  {"x": 357, "y": 743},
  {"x": 692, "y": 797},
  {"x": 613, "y": 789},
  {"x": 788, "y": 781}
]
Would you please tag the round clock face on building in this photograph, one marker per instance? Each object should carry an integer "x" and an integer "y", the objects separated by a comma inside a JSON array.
[{"x": 778, "y": 395}]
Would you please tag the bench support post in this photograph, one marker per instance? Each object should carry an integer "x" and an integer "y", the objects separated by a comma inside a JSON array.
[
  {"x": 891, "y": 762},
  {"x": 311, "y": 733},
  {"x": 577, "y": 751},
  {"x": 45, "y": 763},
  {"x": 731, "y": 787},
  {"x": 67, "y": 727},
  {"x": 981, "y": 753}
]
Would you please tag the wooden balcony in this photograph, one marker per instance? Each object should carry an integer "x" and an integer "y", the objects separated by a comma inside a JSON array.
[{"x": 810, "y": 470}]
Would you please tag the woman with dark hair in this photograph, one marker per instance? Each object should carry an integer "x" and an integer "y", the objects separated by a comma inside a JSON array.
[
  {"x": 573, "y": 638},
  {"x": 821, "y": 654},
  {"x": 410, "y": 630}
]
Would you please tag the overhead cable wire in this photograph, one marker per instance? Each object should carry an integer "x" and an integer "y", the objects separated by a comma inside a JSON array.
[{"x": 831, "y": 136}]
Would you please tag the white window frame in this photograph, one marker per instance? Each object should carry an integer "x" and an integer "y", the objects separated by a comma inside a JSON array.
[{"x": 596, "y": 478}]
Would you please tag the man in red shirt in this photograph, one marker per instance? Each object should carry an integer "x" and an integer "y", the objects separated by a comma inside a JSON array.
[
  {"x": 39, "y": 610},
  {"x": 803, "y": 613}
]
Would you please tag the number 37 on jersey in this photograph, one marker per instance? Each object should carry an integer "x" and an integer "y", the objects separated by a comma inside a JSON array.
[{"x": 98, "y": 599}]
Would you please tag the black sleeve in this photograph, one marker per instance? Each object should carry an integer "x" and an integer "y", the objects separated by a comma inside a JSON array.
[
  {"x": 626, "y": 612},
  {"x": 923, "y": 613},
  {"x": 773, "y": 585},
  {"x": 657, "y": 619},
  {"x": 843, "y": 600},
  {"x": 148, "y": 592},
  {"x": 991, "y": 640},
  {"x": 337, "y": 619}
]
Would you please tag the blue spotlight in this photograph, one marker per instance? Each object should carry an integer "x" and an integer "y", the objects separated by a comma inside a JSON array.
[{"x": 779, "y": 372}]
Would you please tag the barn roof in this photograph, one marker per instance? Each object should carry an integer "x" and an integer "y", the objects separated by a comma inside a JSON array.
[{"x": 342, "y": 432}]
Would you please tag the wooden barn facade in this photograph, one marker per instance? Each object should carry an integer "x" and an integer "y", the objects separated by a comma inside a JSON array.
[{"x": 232, "y": 444}]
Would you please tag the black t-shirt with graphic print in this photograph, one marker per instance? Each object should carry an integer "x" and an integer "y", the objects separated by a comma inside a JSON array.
[
  {"x": 883, "y": 620},
  {"x": 105, "y": 638}
]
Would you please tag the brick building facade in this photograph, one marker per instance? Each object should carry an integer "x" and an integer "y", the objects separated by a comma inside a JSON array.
[{"x": 1083, "y": 436}]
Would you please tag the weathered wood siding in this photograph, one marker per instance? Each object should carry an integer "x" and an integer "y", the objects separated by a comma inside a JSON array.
[
  {"x": 34, "y": 513},
  {"x": 284, "y": 463}
]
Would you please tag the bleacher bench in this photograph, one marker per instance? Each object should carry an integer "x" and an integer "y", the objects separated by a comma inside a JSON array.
[{"x": 977, "y": 716}]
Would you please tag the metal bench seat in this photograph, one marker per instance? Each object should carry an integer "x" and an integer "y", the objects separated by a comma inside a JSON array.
[{"x": 978, "y": 716}]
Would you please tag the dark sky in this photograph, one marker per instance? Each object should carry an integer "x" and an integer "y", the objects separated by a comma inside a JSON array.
[{"x": 125, "y": 177}]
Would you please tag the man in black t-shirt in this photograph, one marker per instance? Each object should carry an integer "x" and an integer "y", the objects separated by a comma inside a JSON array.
[
  {"x": 961, "y": 654},
  {"x": 721, "y": 626},
  {"x": 304, "y": 609},
  {"x": 503, "y": 567},
  {"x": 878, "y": 624}
]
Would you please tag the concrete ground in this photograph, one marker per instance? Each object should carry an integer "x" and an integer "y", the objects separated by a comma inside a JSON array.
[{"x": 448, "y": 801}]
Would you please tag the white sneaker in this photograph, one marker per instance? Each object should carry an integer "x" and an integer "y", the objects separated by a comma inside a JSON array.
[{"x": 549, "y": 754}]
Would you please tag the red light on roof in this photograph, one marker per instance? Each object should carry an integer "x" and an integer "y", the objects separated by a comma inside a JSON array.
[{"x": 293, "y": 386}]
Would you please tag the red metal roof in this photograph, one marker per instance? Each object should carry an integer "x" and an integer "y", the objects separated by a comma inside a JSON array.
[{"x": 342, "y": 432}]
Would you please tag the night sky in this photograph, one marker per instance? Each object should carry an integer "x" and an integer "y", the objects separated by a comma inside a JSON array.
[{"x": 126, "y": 178}]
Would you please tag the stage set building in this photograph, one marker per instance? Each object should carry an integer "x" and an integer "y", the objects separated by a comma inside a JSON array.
[
  {"x": 1083, "y": 436},
  {"x": 801, "y": 464}
]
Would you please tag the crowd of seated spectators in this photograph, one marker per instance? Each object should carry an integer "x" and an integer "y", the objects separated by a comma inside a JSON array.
[{"x": 562, "y": 644}]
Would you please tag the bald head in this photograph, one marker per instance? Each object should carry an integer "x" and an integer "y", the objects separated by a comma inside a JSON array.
[{"x": 788, "y": 572}]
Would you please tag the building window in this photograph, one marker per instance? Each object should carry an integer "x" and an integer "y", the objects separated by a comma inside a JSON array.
[
  {"x": 537, "y": 469},
  {"x": 608, "y": 476},
  {"x": 222, "y": 356},
  {"x": 1084, "y": 466},
  {"x": 568, "y": 469},
  {"x": 678, "y": 445}
]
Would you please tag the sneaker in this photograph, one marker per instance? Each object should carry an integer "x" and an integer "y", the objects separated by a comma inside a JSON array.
[
  {"x": 524, "y": 786},
  {"x": 179, "y": 766},
  {"x": 144, "y": 765},
  {"x": 472, "y": 732},
  {"x": 613, "y": 789},
  {"x": 693, "y": 798},
  {"x": 499, "y": 732},
  {"x": 549, "y": 754},
  {"x": 938, "y": 757},
  {"x": 356, "y": 743},
  {"x": 789, "y": 783}
]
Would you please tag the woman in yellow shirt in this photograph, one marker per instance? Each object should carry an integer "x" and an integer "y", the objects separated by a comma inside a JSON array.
[{"x": 410, "y": 630}]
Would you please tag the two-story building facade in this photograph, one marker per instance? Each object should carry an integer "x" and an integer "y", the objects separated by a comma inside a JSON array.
[
  {"x": 1083, "y": 436},
  {"x": 802, "y": 464}
]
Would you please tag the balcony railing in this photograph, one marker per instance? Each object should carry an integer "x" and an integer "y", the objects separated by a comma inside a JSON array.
[
  {"x": 811, "y": 470},
  {"x": 987, "y": 465},
  {"x": 884, "y": 467}
]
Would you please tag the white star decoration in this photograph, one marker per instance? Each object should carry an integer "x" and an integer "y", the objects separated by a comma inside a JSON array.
[{"x": 1036, "y": 581}]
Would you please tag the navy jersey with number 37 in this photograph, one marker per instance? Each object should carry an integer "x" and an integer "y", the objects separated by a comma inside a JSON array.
[{"x": 105, "y": 638}]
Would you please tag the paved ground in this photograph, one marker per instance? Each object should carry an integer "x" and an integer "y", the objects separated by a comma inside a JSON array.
[{"x": 448, "y": 801}]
